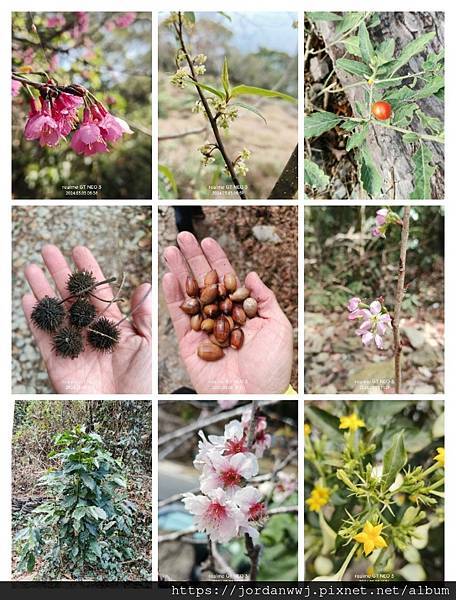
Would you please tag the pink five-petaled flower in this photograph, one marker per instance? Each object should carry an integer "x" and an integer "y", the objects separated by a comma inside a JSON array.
[
  {"x": 381, "y": 225},
  {"x": 262, "y": 440},
  {"x": 112, "y": 128},
  {"x": 233, "y": 441},
  {"x": 87, "y": 140},
  {"x": 374, "y": 325},
  {"x": 353, "y": 304},
  {"x": 216, "y": 514},
  {"x": 227, "y": 472},
  {"x": 380, "y": 219},
  {"x": 41, "y": 125}
]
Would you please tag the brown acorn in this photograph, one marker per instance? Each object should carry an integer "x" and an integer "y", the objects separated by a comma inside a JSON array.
[
  {"x": 190, "y": 306},
  {"x": 250, "y": 307},
  {"x": 238, "y": 315},
  {"x": 226, "y": 306},
  {"x": 196, "y": 321},
  {"x": 210, "y": 310},
  {"x": 221, "y": 329},
  {"x": 230, "y": 282},
  {"x": 208, "y": 294},
  {"x": 211, "y": 277},
  {"x": 191, "y": 286},
  {"x": 207, "y": 325},
  {"x": 215, "y": 341},
  {"x": 237, "y": 338},
  {"x": 210, "y": 352},
  {"x": 240, "y": 294}
]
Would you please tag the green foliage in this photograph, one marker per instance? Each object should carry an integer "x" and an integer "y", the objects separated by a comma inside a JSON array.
[
  {"x": 376, "y": 69},
  {"x": 85, "y": 525}
]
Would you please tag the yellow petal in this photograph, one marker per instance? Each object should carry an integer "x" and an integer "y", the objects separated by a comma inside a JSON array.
[
  {"x": 368, "y": 547},
  {"x": 361, "y": 537},
  {"x": 380, "y": 542}
]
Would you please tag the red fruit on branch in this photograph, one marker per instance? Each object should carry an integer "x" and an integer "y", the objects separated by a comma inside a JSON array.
[{"x": 381, "y": 110}]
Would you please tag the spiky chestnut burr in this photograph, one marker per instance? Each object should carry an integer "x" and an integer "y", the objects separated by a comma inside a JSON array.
[
  {"x": 48, "y": 314},
  {"x": 68, "y": 342},
  {"x": 81, "y": 283},
  {"x": 103, "y": 335},
  {"x": 82, "y": 313}
]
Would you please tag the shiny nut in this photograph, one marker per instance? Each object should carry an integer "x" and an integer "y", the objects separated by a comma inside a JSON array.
[
  {"x": 226, "y": 306},
  {"x": 207, "y": 325},
  {"x": 208, "y": 294},
  {"x": 195, "y": 322},
  {"x": 240, "y": 294},
  {"x": 230, "y": 282},
  {"x": 215, "y": 341},
  {"x": 210, "y": 310},
  {"x": 210, "y": 352},
  {"x": 191, "y": 286},
  {"x": 190, "y": 306},
  {"x": 229, "y": 318},
  {"x": 238, "y": 315},
  {"x": 221, "y": 290},
  {"x": 221, "y": 329},
  {"x": 237, "y": 338},
  {"x": 210, "y": 278},
  {"x": 250, "y": 307}
]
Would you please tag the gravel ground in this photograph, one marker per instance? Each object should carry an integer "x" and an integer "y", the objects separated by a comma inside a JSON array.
[
  {"x": 119, "y": 237},
  {"x": 236, "y": 230}
]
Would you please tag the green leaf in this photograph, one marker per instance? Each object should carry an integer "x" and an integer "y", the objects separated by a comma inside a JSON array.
[
  {"x": 432, "y": 124},
  {"x": 323, "y": 16},
  {"x": 224, "y": 14},
  {"x": 30, "y": 561},
  {"x": 424, "y": 170},
  {"x": 349, "y": 21},
  {"x": 96, "y": 512},
  {"x": 120, "y": 481},
  {"x": 250, "y": 90},
  {"x": 414, "y": 47},
  {"x": 430, "y": 88},
  {"x": 394, "y": 460},
  {"x": 79, "y": 512},
  {"x": 250, "y": 108},
  {"x": 324, "y": 421},
  {"x": 208, "y": 88},
  {"x": 318, "y": 122},
  {"x": 370, "y": 177},
  {"x": 385, "y": 51},
  {"x": 349, "y": 125},
  {"x": 225, "y": 78},
  {"x": 353, "y": 66},
  {"x": 169, "y": 176},
  {"x": 88, "y": 481},
  {"x": 314, "y": 176},
  {"x": 404, "y": 114},
  {"x": 95, "y": 547},
  {"x": 357, "y": 138},
  {"x": 365, "y": 44},
  {"x": 352, "y": 45},
  {"x": 190, "y": 17}
]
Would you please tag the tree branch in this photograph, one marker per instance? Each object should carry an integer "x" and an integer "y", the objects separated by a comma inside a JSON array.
[
  {"x": 286, "y": 186},
  {"x": 398, "y": 300},
  {"x": 210, "y": 116}
]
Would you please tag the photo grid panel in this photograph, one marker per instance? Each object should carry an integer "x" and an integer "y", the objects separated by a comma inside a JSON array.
[{"x": 227, "y": 296}]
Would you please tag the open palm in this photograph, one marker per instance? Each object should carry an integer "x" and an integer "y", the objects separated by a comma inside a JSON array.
[
  {"x": 263, "y": 364},
  {"x": 128, "y": 368}
]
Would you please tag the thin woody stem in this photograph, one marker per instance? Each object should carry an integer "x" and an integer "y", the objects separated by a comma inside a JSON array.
[
  {"x": 252, "y": 549},
  {"x": 398, "y": 300},
  {"x": 68, "y": 89},
  {"x": 88, "y": 289},
  {"x": 213, "y": 123}
]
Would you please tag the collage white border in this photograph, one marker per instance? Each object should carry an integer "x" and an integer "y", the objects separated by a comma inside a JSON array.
[{"x": 7, "y": 399}]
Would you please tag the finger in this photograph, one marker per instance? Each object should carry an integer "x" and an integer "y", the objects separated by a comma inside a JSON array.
[
  {"x": 267, "y": 301},
  {"x": 217, "y": 257},
  {"x": 38, "y": 282},
  {"x": 57, "y": 267},
  {"x": 43, "y": 339},
  {"x": 174, "y": 298},
  {"x": 84, "y": 259},
  {"x": 141, "y": 307},
  {"x": 194, "y": 255},
  {"x": 176, "y": 264}
]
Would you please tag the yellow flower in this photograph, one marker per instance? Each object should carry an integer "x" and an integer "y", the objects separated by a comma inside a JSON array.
[
  {"x": 319, "y": 496},
  {"x": 371, "y": 537},
  {"x": 440, "y": 457},
  {"x": 353, "y": 422},
  {"x": 307, "y": 429}
]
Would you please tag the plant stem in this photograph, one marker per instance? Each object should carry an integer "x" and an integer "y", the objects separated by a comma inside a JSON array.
[
  {"x": 210, "y": 116},
  {"x": 398, "y": 300},
  {"x": 252, "y": 550},
  {"x": 344, "y": 36},
  {"x": 423, "y": 136},
  {"x": 68, "y": 89}
]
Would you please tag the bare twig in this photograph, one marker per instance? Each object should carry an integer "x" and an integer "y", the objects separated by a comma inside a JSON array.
[
  {"x": 176, "y": 136},
  {"x": 398, "y": 300}
]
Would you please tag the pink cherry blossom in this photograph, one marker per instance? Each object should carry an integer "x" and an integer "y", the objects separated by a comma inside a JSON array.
[
  {"x": 250, "y": 502},
  {"x": 285, "y": 486},
  {"x": 233, "y": 441},
  {"x": 121, "y": 21},
  {"x": 216, "y": 515},
  {"x": 15, "y": 87},
  {"x": 64, "y": 111},
  {"x": 261, "y": 441},
  {"x": 55, "y": 21},
  {"x": 87, "y": 140},
  {"x": 42, "y": 126},
  {"x": 228, "y": 472}
]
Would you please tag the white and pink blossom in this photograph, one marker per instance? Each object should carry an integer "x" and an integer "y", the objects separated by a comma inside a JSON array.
[{"x": 228, "y": 472}]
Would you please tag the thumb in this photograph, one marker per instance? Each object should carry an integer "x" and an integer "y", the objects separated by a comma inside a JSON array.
[
  {"x": 267, "y": 302},
  {"x": 141, "y": 308}
]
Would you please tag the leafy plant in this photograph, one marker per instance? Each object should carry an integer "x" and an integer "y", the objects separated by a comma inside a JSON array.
[
  {"x": 373, "y": 485},
  {"x": 390, "y": 100},
  {"x": 85, "y": 525}
]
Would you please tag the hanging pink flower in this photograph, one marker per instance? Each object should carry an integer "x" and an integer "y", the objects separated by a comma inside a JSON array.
[
  {"x": 15, "y": 87},
  {"x": 374, "y": 325},
  {"x": 112, "y": 128},
  {"x": 55, "y": 21},
  {"x": 353, "y": 303},
  {"x": 87, "y": 139},
  {"x": 65, "y": 111},
  {"x": 216, "y": 515},
  {"x": 41, "y": 125}
]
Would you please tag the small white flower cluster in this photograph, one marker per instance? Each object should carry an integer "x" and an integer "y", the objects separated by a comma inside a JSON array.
[
  {"x": 224, "y": 113},
  {"x": 206, "y": 151},
  {"x": 227, "y": 506},
  {"x": 179, "y": 78}
]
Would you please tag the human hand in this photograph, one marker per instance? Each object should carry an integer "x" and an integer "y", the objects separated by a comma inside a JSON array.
[
  {"x": 127, "y": 370},
  {"x": 263, "y": 364}
]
